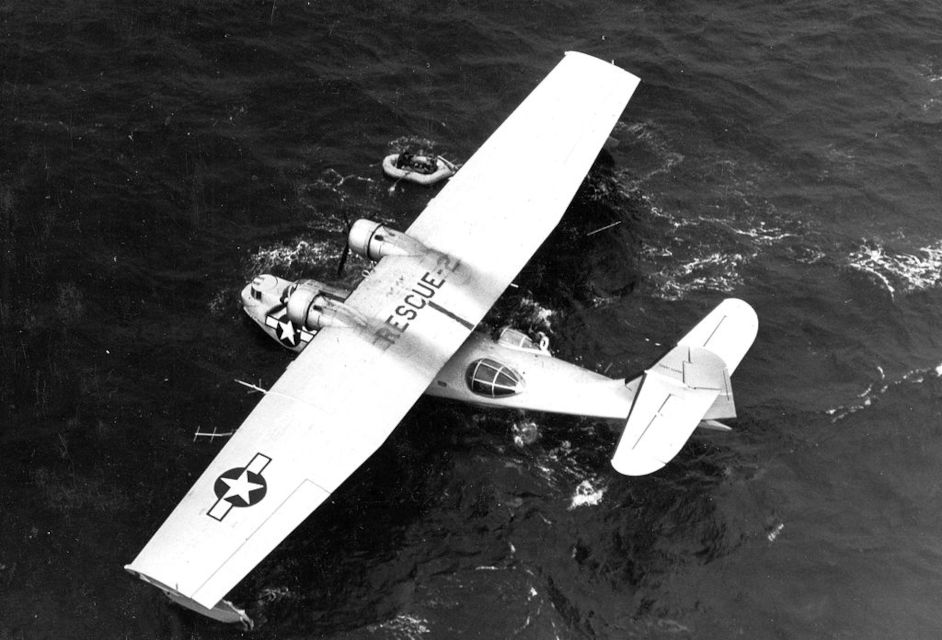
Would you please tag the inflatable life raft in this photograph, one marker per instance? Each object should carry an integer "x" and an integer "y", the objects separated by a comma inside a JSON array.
[{"x": 420, "y": 169}]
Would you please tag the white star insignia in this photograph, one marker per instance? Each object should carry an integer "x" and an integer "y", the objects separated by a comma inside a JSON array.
[
  {"x": 286, "y": 332},
  {"x": 241, "y": 487}
]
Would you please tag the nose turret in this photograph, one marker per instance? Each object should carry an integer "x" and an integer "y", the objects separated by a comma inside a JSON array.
[{"x": 263, "y": 291}]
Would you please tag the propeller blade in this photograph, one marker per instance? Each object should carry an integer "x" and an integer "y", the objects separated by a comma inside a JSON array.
[
  {"x": 346, "y": 244},
  {"x": 343, "y": 260}
]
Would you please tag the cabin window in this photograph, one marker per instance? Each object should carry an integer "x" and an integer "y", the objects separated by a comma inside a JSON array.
[
  {"x": 492, "y": 379},
  {"x": 256, "y": 293}
]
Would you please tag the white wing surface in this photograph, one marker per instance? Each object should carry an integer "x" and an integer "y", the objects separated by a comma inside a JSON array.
[
  {"x": 673, "y": 396},
  {"x": 330, "y": 410},
  {"x": 346, "y": 392},
  {"x": 500, "y": 206},
  {"x": 728, "y": 331}
]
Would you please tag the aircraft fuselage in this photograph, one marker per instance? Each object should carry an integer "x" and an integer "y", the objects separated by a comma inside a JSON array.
[{"x": 511, "y": 372}]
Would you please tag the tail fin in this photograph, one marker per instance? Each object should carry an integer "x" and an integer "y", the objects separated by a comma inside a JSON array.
[{"x": 689, "y": 384}]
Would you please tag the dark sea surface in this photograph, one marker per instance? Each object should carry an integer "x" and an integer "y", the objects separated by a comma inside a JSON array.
[{"x": 154, "y": 157}]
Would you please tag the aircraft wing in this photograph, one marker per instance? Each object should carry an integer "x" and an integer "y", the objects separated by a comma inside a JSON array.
[
  {"x": 524, "y": 176},
  {"x": 331, "y": 409},
  {"x": 346, "y": 392}
]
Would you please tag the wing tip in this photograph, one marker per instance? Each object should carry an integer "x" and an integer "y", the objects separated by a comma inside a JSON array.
[
  {"x": 742, "y": 310},
  {"x": 630, "y": 464},
  {"x": 222, "y": 611},
  {"x": 610, "y": 67},
  {"x": 729, "y": 330}
]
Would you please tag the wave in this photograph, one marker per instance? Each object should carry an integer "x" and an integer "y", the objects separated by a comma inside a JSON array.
[
  {"x": 708, "y": 253},
  {"x": 287, "y": 256},
  {"x": 651, "y": 154},
  {"x": 405, "y": 626},
  {"x": 588, "y": 493},
  {"x": 713, "y": 272},
  {"x": 879, "y": 388},
  {"x": 897, "y": 271},
  {"x": 930, "y": 83}
]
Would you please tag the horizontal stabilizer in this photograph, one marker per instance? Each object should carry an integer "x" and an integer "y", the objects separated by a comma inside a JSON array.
[
  {"x": 687, "y": 388},
  {"x": 728, "y": 331},
  {"x": 673, "y": 397}
]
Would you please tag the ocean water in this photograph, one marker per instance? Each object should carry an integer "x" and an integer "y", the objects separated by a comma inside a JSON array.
[{"x": 156, "y": 156}]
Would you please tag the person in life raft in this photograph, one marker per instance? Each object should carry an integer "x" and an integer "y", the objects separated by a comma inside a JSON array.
[{"x": 421, "y": 164}]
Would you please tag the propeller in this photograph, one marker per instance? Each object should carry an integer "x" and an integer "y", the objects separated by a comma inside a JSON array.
[{"x": 346, "y": 245}]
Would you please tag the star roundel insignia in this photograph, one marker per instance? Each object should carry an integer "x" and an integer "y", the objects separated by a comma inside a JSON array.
[
  {"x": 288, "y": 333},
  {"x": 240, "y": 487},
  {"x": 285, "y": 331}
]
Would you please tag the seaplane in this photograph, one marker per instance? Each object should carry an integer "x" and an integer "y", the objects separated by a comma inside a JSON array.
[{"x": 410, "y": 327}]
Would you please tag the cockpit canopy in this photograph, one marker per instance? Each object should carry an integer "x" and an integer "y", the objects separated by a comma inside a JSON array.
[{"x": 491, "y": 379}]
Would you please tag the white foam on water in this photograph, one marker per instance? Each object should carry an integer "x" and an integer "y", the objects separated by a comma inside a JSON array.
[
  {"x": 645, "y": 137},
  {"x": 930, "y": 103},
  {"x": 807, "y": 255},
  {"x": 587, "y": 494},
  {"x": 762, "y": 234},
  {"x": 275, "y": 594},
  {"x": 898, "y": 271},
  {"x": 403, "y": 626},
  {"x": 524, "y": 433},
  {"x": 713, "y": 272},
  {"x": 285, "y": 256},
  {"x": 708, "y": 253},
  {"x": 536, "y": 314},
  {"x": 415, "y": 144},
  {"x": 877, "y": 389}
]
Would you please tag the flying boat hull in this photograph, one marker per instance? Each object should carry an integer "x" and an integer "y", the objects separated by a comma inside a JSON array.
[{"x": 510, "y": 372}]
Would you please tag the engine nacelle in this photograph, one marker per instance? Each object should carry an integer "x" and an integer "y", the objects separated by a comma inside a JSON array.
[
  {"x": 373, "y": 240},
  {"x": 313, "y": 306}
]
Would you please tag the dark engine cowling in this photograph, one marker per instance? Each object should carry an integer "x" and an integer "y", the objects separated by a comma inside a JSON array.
[
  {"x": 373, "y": 240},
  {"x": 311, "y": 307}
]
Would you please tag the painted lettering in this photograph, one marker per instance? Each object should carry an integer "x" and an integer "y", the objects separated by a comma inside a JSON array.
[
  {"x": 413, "y": 302},
  {"x": 393, "y": 322},
  {"x": 385, "y": 335},
  {"x": 426, "y": 291},
  {"x": 431, "y": 280},
  {"x": 417, "y": 298},
  {"x": 407, "y": 312}
]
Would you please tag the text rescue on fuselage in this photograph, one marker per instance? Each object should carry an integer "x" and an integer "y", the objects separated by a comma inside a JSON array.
[{"x": 418, "y": 298}]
